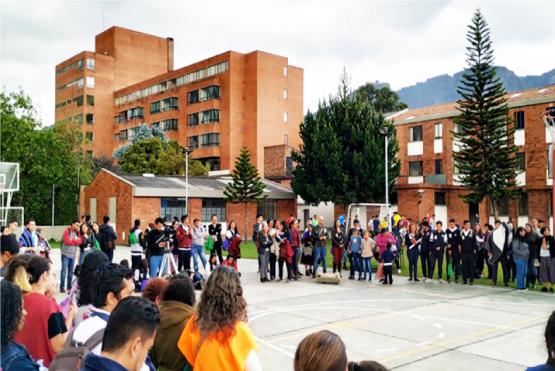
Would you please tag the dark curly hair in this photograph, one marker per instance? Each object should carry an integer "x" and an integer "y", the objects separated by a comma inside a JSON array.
[
  {"x": 91, "y": 263},
  {"x": 12, "y": 310},
  {"x": 221, "y": 303}
]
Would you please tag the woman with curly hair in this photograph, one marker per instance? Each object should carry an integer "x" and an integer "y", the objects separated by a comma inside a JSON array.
[
  {"x": 86, "y": 283},
  {"x": 14, "y": 356},
  {"x": 217, "y": 337}
]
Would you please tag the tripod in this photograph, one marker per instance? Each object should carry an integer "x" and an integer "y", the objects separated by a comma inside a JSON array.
[{"x": 168, "y": 261}]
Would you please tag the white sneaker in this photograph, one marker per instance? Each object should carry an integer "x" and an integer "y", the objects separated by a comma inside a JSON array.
[
  {"x": 441, "y": 281},
  {"x": 399, "y": 271}
]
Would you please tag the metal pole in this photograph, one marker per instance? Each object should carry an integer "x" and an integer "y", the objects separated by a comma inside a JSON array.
[
  {"x": 53, "y": 195},
  {"x": 387, "y": 182},
  {"x": 187, "y": 181}
]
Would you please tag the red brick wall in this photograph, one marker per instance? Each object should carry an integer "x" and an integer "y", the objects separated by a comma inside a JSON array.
[
  {"x": 286, "y": 208},
  {"x": 236, "y": 212},
  {"x": 147, "y": 209},
  {"x": 195, "y": 208}
]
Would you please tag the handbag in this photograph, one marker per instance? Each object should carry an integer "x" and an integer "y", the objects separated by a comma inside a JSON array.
[
  {"x": 209, "y": 243},
  {"x": 379, "y": 272},
  {"x": 226, "y": 244}
]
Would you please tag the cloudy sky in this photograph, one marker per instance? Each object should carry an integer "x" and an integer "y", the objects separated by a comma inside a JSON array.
[{"x": 391, "y": 41}]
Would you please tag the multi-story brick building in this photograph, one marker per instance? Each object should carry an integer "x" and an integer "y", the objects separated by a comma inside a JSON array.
[
  {"x": 429, "y": 184},
  {"x": 214, "y": 106}
]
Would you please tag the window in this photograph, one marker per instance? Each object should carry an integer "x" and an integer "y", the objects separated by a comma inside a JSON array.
[
  {"x": 439, "y": 198},
  {"x": 438, "y": 130},
  {"x": 116, "y": 137},
  {"x": 288, "y": 166},
  {"x": 415, "y": 168},
  {"x": 192, "y": 119},
  {"x": 520, "y": 161},
  {"x": 519, "y": 120},
  {"x": 213, "y": 206},
  {"x": 170, "y": 207},
  {"x": 192, "y": 97},
  {"x": 523, "y": 204},
  {"x": 78, "y": 82},
  {"x": 211, "y": 163},
  {"x": 75, "y": 65},
  {"x": 123, "y": 135},
  {"x": 285, "y": 94},
  {"x": 79, "y": 100},
  {"x": 209, "y": 92},
  {"x": 285, "y": 139},
  {"x": 456, "y": 128},
  {"x": 415, "y": 134},
  {"x": 90, "y": 63},
  {"x": 155, "y": 107},
  {"x": 170, "y": 103},
  {"x": 439, "y": 167},
  {"x": 211, "y": 139},
  {"x": 90, "y": 118},
  {"x": 136, "y": 112},
  {"x": 192, "y": 142},
  {"x": 90, "y": 100},
  {"x": 285, "y": 71},
  {"x": 132, "y": 133},
  {"x": 90, "y": 81},
  {"x": 121, "y": 118},
  {"x": 211, "y": 115},
  {"x": 89, "y": 136},
  {"x": 267, "y": 208},
  {"x": 285, "y": 116},
  {"x": 168, "y": 125}
]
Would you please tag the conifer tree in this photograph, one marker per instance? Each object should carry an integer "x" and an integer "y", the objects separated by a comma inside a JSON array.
[{"x": 486, "y": 156}]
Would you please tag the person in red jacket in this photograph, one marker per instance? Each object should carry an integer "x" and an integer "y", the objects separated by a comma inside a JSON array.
[
  {"x": 69, "y": 247},
  {"x": 232, "y": 234},
  {"x": 184, "y": 235}
]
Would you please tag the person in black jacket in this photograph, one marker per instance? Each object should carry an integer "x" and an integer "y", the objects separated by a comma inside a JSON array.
[
  {"x": 438, "y": 241},
  {"x": 425, "y": 249},
  {"x": 263, "y": 244},
  {"x": 337, "y": 246},
  {"x": 158, "y": 242},
  {"x": 412, "y": 242},
  {"x": 215, "y": 230},
  {"x": 453, "y": 254},
  {"x": 469, "y": 250},
  {"x": 107, "y": 238}
]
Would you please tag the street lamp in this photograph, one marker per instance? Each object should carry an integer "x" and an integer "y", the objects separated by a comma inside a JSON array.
[
  {"x": 549, "y": 121},
  {"x": 385, "y": 132},
  {"x": 187, "y": 150}
]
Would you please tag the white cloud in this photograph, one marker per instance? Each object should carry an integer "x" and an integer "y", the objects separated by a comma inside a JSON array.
[{"x": 397, "y": 42}]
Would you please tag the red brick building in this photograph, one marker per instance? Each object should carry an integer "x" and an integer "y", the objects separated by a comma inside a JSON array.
[
  {"x": 125, "y": 198},
  {"x": 214, "y": 106},
  {"x": 428, "y": 182}
]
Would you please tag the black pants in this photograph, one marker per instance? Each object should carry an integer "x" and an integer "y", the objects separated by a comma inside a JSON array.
[
  {"x": 109, "y": 253},
  {"x": 425, "y": 262},
  {"x": 273, "y": 259},
  {"x": 480, "y": 262},
  {"x": 504, "y": 266},
  {"x": 468, "y": 267},
  {"x": 136, "y": 262},
  {"x": 455, "y": 260},
  {"x": 183, "y": 259},
  {"x": 532, "y": 270},
  {"x": 388, "y": 274},
  {"x": 287, "y": 265},
  {"x": 217, "y": 250},
  {"x": 436, "y": 256},
  {"x": 413, "y": 262},
  {"x": 511, "y": 266}
]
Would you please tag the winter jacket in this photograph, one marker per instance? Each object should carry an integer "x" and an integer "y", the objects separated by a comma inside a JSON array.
[
  {"x": 454, "y": 239},
  {"x": 70, "y": 241},
  {"x": 338, "y": 238},
  {"x": 184, "y": 237},
  {"x": 295, "y": 238},
  {"x": 521, "y": 250},
  {"x": 468, "y": 242},
  {"x": 383, "y": 239},
  {"x": 317, "y": 232},
  {"x": 263, "y": 242},
  {"x": 157, "y": 242},
  {"x": 107, "y": 237},
  {"x": 15, "y": 357},
  {"x": 198, "y": 236},
  {"x": 173, "y": 318},
  {"x": 438, "y": 240}
]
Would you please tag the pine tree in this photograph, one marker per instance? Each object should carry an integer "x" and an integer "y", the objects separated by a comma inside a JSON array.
[
  {"x": 246, "y": 185},
  {"x": 486, "y": 158}
]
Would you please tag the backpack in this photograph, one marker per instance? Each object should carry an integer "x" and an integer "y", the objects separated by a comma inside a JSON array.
[
  {"x": 106, "y": 241},
  {"x": 226, "y": 244},
  {"x": 72, "y": 357}
]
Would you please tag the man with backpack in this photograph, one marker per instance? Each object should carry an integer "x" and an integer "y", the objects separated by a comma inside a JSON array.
[
  {"x": 107, "y": 238},
  {"x": 136, "y": 244}
]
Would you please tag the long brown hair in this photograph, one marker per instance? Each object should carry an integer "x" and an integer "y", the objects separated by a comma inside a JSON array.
[
  {"x": 321, "y": 351},
  {"x": 221, "y": 303}
]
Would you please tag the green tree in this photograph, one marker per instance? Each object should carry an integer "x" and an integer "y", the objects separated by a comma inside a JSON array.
[
  {"x": 156, "y": 156},
  {"x": 486, "y": 158},
  {"x": 381, "y": 98},
  {"x": 246, "y": 185},
  {"x": 341, "y": 158},
  {"x": 46, "y": 159},
  {"x": 143, "y": 132}
]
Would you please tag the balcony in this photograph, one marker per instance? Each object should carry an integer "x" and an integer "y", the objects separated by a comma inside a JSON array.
[
  {"x": 432, "y": 179},
  {"x": 415, "y": 148},
  {"x": 435, "y": 179}
]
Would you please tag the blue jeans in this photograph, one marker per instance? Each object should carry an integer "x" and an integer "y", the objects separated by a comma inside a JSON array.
[
  {"x": 67, "y": 269},
  {"x": 367, "y": 268},
  {"x": 154, "y": 266},
  {"x": 319, "y": 253},
  {"x": 357, "y": 264},
  {"x": 521, "y": 270},
  {"x": 198, "y": 250}
]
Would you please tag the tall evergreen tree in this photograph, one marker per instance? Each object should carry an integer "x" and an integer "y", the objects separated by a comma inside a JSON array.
[
  {"x": 486, "y": 156},
  {"x": 246, "y": 185}
]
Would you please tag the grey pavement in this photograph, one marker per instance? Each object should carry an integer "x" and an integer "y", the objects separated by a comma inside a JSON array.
[{"x": 406, "y": 326}]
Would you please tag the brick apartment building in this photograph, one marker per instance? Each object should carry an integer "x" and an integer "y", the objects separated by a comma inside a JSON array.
[
  {"x": 214, "y": 106},
  {"x": 428, "y": 182},
  {"x": 125, "y": 198}
]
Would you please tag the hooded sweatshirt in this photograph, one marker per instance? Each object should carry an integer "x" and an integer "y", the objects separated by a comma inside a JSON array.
[{"x": 173, "y": 318}]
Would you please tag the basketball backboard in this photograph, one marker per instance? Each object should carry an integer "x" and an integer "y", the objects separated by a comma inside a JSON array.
[{"x": 9, "y": 177}]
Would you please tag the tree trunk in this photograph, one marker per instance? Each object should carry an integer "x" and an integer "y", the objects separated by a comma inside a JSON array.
[{"x": 494, "y": 208}]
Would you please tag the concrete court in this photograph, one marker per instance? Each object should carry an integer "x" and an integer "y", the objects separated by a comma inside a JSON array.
[{"x": 407, "y": 326}]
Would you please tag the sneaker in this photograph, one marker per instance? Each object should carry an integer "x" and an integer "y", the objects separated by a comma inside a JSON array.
[
  {"x": 384, "y": 283},
  {"x": 398, "y": 271},
  {"x": 441, "y": 281},
  {"x": 449, "y": 281},
  {"x": 287, "y": 280},
  {"x": 416, "y": 280},
  {"x": 410, "y": 279},
  {"x": 351, "y": 278},
  {"x": 544, "y": 289}
]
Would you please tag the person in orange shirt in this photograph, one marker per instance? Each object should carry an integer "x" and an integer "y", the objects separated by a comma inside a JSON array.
[{"x": 218, "y": 337}]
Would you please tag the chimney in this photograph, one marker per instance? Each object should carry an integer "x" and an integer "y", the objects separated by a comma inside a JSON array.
[{"x": 170, "y": 53}]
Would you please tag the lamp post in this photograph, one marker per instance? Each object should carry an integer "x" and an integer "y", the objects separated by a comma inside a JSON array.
[
  {"x": 187, "y": 151},
  {"x": 385, "y": 132},
  {"x": 549, "y": 121},
  {"x": 420, "y": 196}
]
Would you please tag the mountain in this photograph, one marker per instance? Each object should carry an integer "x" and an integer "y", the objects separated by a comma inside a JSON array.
[{"x": 443, "y": 88}]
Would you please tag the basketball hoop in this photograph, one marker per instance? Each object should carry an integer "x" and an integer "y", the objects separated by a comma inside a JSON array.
[{"x": 549, "y": 121}]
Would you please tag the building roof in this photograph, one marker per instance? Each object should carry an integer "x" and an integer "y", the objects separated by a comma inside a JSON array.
[
  {"x": 199, "y": 186},
  {"x": 446, "y": 110}
]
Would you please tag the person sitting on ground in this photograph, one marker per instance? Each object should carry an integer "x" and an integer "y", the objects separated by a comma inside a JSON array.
[
  {"x": 9, "y": 248},
  {"x": 177, "y": 306},
  {"x": 321, "y": 351},
  {"x": 14, "y": 356},
  {"x": 218, "y": 337},
  {"x": 129, "y": 335},
  {"x": 549, "y": 365},
  {"x": 366, "y": 366},
  {"x": 16, "y": 272},
  {"x": 45, "y": 330},
  {"x": 230, "y": 262},
  {"x": 85, "y": 282},
  {"x": 154, "y": 289}
]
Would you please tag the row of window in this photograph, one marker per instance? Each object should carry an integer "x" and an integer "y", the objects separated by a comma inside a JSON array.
[
  {"x": 78, "y": 100},
  {"x": 166, "y": 104},
  {"x": 203, "y": 94},
  {"x": 78, "y": 65},
  {"x": 204, "y": 117},
  {"x": 130, "y": 114},
  {"x": 79, "y": 118},
  {"x": 166, "y": 125},
  {"x": 172, "y": 83},
  {"x": 89, "y": 80},
  {"x": 440, "y": 199},
  {"x": 204, "y": 140}
]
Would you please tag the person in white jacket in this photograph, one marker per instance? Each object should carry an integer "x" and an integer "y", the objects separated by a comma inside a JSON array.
[{"x": 199, "y": 233}]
